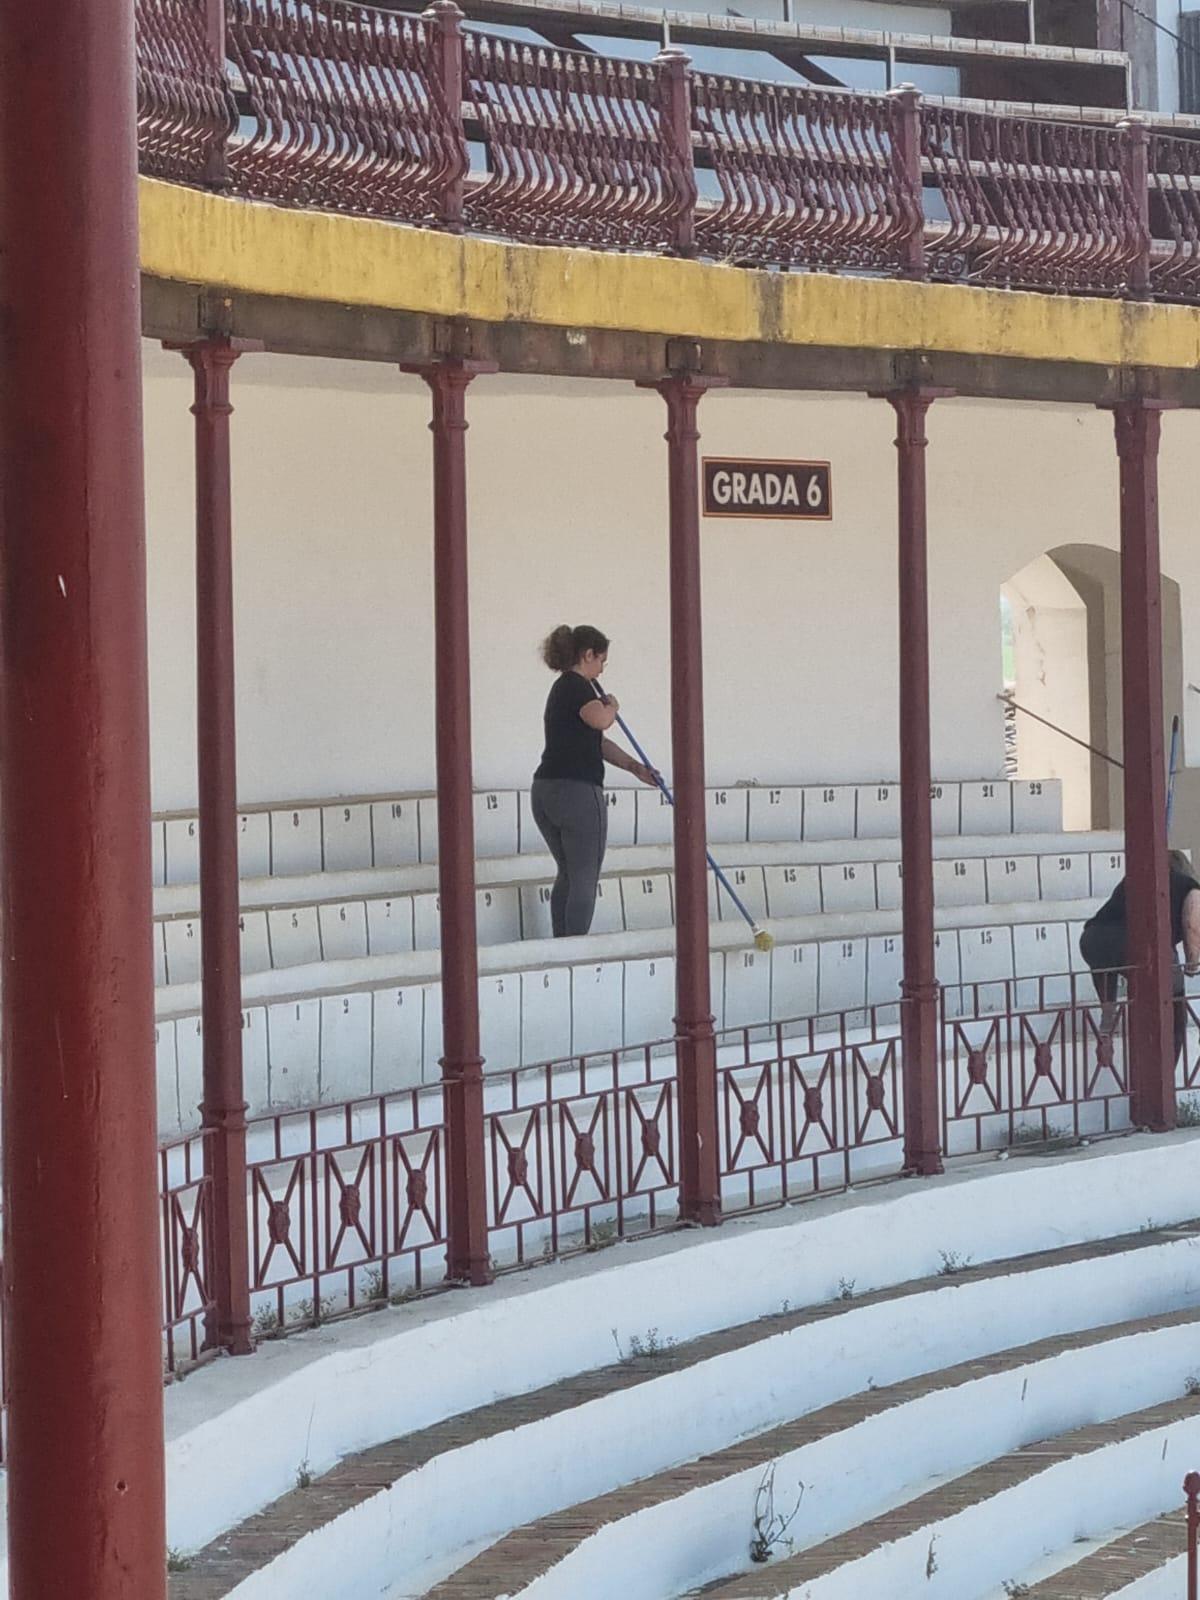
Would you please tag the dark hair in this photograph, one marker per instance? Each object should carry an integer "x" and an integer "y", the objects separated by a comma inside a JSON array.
[{"x": 564, "y": 647}]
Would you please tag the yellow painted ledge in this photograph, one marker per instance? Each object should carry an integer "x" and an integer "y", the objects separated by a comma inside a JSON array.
[{"x": 194, "y": 237}]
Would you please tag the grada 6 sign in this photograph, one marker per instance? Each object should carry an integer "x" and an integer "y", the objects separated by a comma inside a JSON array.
[{"x": 776, "y": 489}]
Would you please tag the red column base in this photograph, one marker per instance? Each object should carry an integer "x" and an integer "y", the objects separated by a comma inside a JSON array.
[
  {"x": 700, "y": 1170},
  {"x": 920, "y": 1045}
]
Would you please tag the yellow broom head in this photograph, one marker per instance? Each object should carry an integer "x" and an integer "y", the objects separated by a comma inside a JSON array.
[{"x": 763, "y": 940}]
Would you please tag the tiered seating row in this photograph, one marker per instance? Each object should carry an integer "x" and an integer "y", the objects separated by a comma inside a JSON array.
[
  {"x": 299, "y": 934},
  {"x": 860, "y": 1392},
  {"x": 401, "y": 830},
  {"x": 310, "y": 1049}
]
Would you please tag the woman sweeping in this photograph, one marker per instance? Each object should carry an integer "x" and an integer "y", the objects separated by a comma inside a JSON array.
[
  {"x": 1102, "y": 944},
  {"x": 568, "y": 787}
]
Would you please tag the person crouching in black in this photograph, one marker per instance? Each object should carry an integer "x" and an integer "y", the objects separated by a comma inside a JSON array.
[{"x": 1102, "y": 944}]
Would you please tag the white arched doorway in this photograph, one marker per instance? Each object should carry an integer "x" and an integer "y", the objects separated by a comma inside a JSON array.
[
  {"x": 1062, "y": 660},
  {"x": 1048, "y": 664}
]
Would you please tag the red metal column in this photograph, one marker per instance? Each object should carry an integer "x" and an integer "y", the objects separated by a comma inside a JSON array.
[
  {"x": 920, "y": 990},
  {"x": 82, "y": 1273},
  {"x": 467, "y": 1255},
  {"x": 1151, "y": 1046},
  {"x": 696, "y": 1051},
  {"x": 224, "y": 1106}
]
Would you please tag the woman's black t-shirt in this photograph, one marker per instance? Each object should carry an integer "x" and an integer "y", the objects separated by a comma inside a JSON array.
[
  {"x": 572, "y": 748},
  {"x": 1112, "y": 912}
]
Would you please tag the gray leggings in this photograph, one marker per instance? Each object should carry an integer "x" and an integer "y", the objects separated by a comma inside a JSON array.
[{"x": 573, "y": 819}]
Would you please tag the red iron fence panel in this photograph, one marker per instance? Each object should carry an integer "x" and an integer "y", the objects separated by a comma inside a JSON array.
[
  {"x": 347, "y": 1207},
  {"x": 345, "y": 108},
  {"x": 806, "y": 177},
  {"x": 185, "y": 106},
  {"x": 186, "y": 1234},
  {"x": 807, "y": 1107},
  {"x": 1031, "y": 204},
  {"x": 575, "y": 145},
  {"x": 1026, "y": 1060},
  {"x": 581, "y": 1152}
]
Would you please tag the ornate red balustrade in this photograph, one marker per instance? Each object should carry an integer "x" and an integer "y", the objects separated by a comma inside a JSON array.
[
  {"x": 344, "y": 109},
  {"x": 576, "y": 147},
  {"x": 347, "y": 1203},
  {"x": 806, "y": 178},
  {"x": 1039, "y": 205},
  {"x": 186, "y": 110}
]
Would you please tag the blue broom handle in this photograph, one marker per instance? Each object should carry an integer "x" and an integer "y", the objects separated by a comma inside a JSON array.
[{"x": 658, "y": 778}]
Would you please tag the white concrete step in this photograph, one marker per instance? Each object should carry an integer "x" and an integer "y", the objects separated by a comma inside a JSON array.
[
  {"x": 285, "y": 838},
  {"x": 238, "y": 1430},
  {"x": 341, "y": 916}
]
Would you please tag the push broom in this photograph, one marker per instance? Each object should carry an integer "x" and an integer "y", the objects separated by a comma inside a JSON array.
[{"x": 762, "y": 939}]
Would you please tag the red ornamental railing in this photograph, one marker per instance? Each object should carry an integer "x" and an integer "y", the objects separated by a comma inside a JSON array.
[
  {"x": 186, "y": 110},
  {"x": 325, "y": 103},
  {"x": 1032, "y": 204},
  {"x": 805, "y": 178},
  {"x": 1174, "y": 177},
  {"x": 346, "y": 109},
  {"x": 578, "y": 147},
  {"x": 346, "y": 1204}
]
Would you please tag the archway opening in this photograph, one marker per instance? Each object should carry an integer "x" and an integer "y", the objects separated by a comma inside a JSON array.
[{"x": 1060, "y": 630}]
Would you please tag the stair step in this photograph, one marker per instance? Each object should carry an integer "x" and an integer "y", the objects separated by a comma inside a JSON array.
[
  {"x": 235, "y": 1555},
  {"x": 513, "y": 1563}
]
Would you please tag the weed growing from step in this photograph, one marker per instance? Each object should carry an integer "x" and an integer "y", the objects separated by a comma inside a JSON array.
[
  {"x": 952, "y": 1263},
  {"x": 845, "y": 1288},
  {"x": 178, "y": 1562},
  {"x": 1014, "y": 1588},
  {"x": 373, "y": 1291},
  {"x": 649, "y": 1344},
  {"x": 1192, "y": 1387},
  {"x": 931, "y": 1560},
  {"x": 266, "y": 1322},
  {"x": 1033, "y": 1133},
  {"x": 770, "y": 1528},
  {"x": 311, "y": 1311},
  {"x": 1187, "y": 1112},
  {"x": 603, "y": 1236},
  {"x": 304, "y": 1477},
  {"x": 403, "y": 1297}
]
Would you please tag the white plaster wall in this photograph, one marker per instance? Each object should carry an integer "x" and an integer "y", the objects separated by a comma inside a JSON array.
[{"x": 568, "y": 509}]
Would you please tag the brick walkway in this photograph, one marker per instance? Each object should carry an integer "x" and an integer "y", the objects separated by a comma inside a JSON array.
[
  {"x": 1005, "y": 1472},
  {"x": 515, "y": 1561},
  {"x": 1105, "y": 1571},
  {"x": 217, "y": 1569}
]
